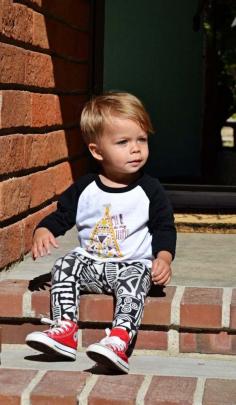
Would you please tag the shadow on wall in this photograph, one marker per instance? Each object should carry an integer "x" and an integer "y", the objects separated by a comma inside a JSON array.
[{"x": 69, "y": 39}]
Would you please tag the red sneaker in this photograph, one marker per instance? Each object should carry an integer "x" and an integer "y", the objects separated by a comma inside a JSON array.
[
  {"x": 61, "y": 338},
  {"x": 110, "y": 351}
]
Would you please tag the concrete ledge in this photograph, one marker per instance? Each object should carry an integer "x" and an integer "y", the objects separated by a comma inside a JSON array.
[
  {"x": 37, "y": 387},
  {"x": 176, "y": 318}
]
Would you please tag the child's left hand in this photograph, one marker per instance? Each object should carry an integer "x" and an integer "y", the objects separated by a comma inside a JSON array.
[{"x": 161, "y": 271}]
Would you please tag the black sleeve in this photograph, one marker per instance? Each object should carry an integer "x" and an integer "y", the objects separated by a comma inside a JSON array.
[
  {"x": 161, "y": 218},
  {"x": 64, "y": 218}
]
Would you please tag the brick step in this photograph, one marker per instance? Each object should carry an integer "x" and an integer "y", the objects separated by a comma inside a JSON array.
[
  {"x": 73, "y": 387},
  {"x": 178, "y": 319}
]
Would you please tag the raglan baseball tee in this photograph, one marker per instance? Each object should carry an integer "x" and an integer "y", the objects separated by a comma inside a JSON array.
[{"x": 125, "y": 224}]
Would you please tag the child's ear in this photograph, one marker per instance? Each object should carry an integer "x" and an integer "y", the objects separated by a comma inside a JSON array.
[{"x": 95, "y": 151}]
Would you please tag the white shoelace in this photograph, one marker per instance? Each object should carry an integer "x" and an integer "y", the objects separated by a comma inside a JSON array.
[
  {"x": 58, "y": 326},
  {"x": 114, "y": 341}
]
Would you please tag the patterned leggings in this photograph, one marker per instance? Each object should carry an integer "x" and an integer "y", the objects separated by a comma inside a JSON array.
[{"x": 129, "y": 283}]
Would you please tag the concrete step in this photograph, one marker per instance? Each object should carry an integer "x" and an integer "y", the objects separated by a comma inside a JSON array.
[
  {"x": 28, "y": 377},
  {"x": 196, "y": 313}
]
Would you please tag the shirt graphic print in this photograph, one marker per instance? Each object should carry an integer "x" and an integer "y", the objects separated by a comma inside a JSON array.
[{"x": 105, "y": 236}]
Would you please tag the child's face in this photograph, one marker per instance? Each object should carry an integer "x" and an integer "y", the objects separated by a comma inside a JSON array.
[{"x": 123, "y": 147}]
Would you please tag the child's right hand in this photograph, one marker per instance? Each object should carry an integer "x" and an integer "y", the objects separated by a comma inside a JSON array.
[{"x": 42, "y": 241}]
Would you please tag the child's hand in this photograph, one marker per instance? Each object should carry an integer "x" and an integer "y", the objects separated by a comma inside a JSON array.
[
  {"x": 42, "y": 241},
  {"x": 161, "y": 271}
]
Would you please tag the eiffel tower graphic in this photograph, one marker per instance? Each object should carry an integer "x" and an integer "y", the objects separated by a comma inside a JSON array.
[{"x": 103, "y": 238}]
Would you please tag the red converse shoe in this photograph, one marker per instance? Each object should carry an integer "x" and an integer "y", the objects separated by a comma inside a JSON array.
[
  {"x": 110, "y": 351},
  {"x": 61, "y": 338}
]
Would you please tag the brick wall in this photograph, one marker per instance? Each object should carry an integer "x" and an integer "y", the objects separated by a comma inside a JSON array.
[{"x": 45, "y": 75}]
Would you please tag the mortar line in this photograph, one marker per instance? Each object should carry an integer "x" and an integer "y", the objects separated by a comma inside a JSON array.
[
  {"x": 226, "y": 301},
  {"x": 175, "y": 305},
  {"x": 27, "y": 305},
  {"x": 25, "y": 396},
  {"x": 143, "y": 390},
  {"x": 82, "y": 398},
  {"x": 173, "y": 335},
  {"x": 199, "y": 391}
]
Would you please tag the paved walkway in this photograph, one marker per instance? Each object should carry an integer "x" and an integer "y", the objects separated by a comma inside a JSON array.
[
  {"x": 149, "y": 363},
  {"x": 201, "y": 260}
]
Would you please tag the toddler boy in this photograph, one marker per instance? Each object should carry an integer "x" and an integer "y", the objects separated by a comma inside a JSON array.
[{"x": 125, "y": 229}]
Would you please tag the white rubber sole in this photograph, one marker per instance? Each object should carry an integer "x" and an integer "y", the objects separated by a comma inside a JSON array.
[
  {"x": 43, "y": 343},
  {"x": 105, "y": 356}
]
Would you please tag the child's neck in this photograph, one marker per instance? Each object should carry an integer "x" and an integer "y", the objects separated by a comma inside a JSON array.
[{"x": 118, "y": 181}]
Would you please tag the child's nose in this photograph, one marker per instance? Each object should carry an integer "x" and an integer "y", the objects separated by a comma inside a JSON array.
[{"x": 135, "y": 147}]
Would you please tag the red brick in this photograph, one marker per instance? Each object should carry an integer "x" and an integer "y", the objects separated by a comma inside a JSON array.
[
  {"x": 11, "y": 244},
  {"x": 171, "y": 390},
  {"x": 8, "y": 71},
  {"x": 12, "y": 157},
  {"x": 24, "y": 24},
  {"x": 152, "y": 340},
  {"x": 13, "y": 383},
  {"x": 43, "y": 149},
  {"x": 219, "y": 392},
  {"x": 157, "y": 310},
  {"x": 188, "y": 342},
  {"x": 62, "y": 177},
  {"x": 233, "y": 310},
  {"x": 16, "y": 108},
  {"x": 36, "y": 151},
  {"x": 42, "y": 187},
  {"x": 20, "y": 152},
  {"x": 52, "y": 72},
  {"x": 49, "y": 183},
  {"x": 90, "y": 336},
  {"x": 201, "y": 307},
  {"x": 50, "y": 109},
  {"x": 123, "y": 390},
  {"x": 17, "y": 21},
  {"x": 14, "y": 197},
  {"x": 11, "y": 291},
  {"x": 58, "y": 388},
  {"x": 40, "y": 303},
  {"x": 96, "y": 308},
  {"x": 46, "y": 110},
  {"x": 40, "y": 70},
  {"x": 212, "y": 343},
  {"x": 16, "y": 333}
]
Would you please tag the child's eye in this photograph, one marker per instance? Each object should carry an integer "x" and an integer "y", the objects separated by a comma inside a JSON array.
[
  {"x": 142, "y": 139},
  {"x": 121, "y": 142}
]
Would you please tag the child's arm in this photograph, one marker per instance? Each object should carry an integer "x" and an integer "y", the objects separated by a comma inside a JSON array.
[
  {"x": 55, "y": 224},
  {"x": 43, "y": 239},
  {"x": 161, "y": 268}
]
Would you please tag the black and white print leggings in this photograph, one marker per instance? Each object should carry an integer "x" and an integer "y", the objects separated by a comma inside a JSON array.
[{"x": 129, "y": 283}]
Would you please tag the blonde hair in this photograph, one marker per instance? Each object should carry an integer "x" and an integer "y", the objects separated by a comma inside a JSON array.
[{"x": 98, "y": 111}]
